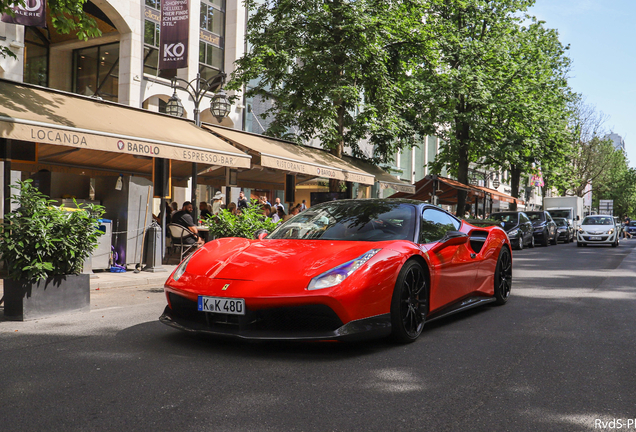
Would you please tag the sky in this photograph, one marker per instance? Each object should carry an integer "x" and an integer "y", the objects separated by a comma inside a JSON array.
[{"x": 602, "y": 39}]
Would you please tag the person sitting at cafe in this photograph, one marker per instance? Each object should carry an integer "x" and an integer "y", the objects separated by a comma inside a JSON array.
[
  {"x": 204, "y": 213},
  {"x": 184, "y": 218}
]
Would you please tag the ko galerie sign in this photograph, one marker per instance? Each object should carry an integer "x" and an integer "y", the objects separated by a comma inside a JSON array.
[
  {"x": 175, "y": 18},
  {"x": 32, "y": 13}
]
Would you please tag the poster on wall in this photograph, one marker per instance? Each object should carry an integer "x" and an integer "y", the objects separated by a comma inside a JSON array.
[
  {"x": 32, "y": 13},
  {"x": 173, "y": 40}
]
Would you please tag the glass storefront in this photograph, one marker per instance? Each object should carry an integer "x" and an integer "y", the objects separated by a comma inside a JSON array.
[
  {"x": 97, "y": 71},
  {"x": 36, "y": 58}
]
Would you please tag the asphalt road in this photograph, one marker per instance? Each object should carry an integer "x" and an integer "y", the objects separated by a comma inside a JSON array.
[{"x": 560, "y": 356}]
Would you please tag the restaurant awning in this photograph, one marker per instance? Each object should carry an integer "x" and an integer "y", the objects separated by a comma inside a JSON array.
[
  {"x": 446, "y": 191},
  {"x": 286, "y": 156},
  {"x": 36, "y": 114},
  {"x": 384, "y": 179},
  {"x": 500, "y": 196}
]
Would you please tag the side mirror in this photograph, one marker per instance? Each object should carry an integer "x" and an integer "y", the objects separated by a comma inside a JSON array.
[
  {"x": 261, "y": 234},
  {"x": 503, "y": 224},
  {"x": 453, "y": 238}
]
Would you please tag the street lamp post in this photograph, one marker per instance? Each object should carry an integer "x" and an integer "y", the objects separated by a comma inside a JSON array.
[{"x": 219, "y": 106}]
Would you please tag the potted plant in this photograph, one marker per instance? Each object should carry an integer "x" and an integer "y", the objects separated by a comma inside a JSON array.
[
  {"x": 243, "y": 224},
  {"x": 44, "y": 248}
]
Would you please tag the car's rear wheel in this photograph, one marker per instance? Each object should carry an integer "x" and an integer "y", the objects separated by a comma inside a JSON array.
[
  {"x": 503, "y": 277},
  {"x": 409, "y": 304}
]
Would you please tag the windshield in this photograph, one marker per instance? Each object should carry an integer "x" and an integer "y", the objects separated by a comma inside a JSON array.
[
  {"x": 535, "y": 216},
  {"x": 632, "y": 223},
  {"x": 507, "y": 218},
  {"x": 562, "y": 222},
  {"x": 598, "y": 221},
  {"x": 561, "y": 213},
  {"x": 367, "y": 220}
]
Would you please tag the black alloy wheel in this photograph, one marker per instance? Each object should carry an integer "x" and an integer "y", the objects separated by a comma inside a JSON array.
[
  {"x": 520, "y": 242},
  {"x": 409, "y": 304},
  {"x": 503, "y": 277},
  {"x": 531, "y": 241}
]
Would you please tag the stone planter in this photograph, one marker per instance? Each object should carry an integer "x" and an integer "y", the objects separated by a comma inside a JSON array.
[{"x": 47, "y": 297}]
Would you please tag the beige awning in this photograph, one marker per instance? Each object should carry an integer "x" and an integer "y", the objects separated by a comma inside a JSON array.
[
  {"x": 384, "y": 179},
  {"x": 31, "y": 113},
  {"x": 286, "y": 156}
]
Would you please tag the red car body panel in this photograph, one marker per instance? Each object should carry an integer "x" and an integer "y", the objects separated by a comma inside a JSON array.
[{"x": 274, "y": 273}]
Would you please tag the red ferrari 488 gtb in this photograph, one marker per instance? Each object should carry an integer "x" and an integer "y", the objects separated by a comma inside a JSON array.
[{"x": 343, "y": 270}]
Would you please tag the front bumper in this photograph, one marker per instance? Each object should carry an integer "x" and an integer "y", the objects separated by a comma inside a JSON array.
[
  {"x": 309, "y": 322},
  {"x": 596, "y": 238}
]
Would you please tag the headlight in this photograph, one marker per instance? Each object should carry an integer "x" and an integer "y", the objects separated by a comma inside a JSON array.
[
  {"x": 581, "y": 230},
  {"x": 182, "y": 268},
  {"x": 337, "y": 274},
  {"x": 513, "y": 233},
  {"x": 611, "y": 231}
]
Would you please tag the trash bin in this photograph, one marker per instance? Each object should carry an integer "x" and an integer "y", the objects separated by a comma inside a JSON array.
[
  {"x": 152, "y": 250},
  {"x": 101, "y": 255}
]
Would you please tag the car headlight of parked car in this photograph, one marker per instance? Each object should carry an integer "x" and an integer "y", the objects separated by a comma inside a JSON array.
[
  {"x": 338, "y": 274},
  {"x": 513, "y": 233},
  {"x": 610, "y": 232}
]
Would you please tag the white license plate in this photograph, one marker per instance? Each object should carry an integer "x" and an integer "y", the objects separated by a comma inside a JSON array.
[
  {"x": 595, "y": 238},
  {"x": 221, "y": 305}
]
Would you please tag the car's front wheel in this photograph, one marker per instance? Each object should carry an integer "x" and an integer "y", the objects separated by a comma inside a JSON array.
[
  {"x": 520, "y": 242},
  {"x": 409, "y": 304},
  {"x": 532, "y": 241},
  {"x": 503, "y": 277}
]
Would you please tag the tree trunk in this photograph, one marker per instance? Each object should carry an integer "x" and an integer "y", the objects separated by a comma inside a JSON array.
[{"x": 515, "y": 179}]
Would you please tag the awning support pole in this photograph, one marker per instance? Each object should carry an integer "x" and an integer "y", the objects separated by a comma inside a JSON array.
[
  {"x": 193, "y": 196},
  {"x": 7, "y": 176}
]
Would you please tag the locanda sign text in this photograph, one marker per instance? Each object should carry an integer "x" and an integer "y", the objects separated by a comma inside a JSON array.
[{"x": 58, "y": 137}]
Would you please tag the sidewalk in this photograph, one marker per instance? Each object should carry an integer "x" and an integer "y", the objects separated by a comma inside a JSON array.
[{"x": 106, "y": 280}]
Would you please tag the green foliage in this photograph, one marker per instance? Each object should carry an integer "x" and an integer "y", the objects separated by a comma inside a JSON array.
[
  {"x": 243, "y": 224},
  {"x": 67, "y": 16},
  {"x": 39, "y": 240},
  {"x": 496, "y": 91},
  {"x": 332, "y": 70}
]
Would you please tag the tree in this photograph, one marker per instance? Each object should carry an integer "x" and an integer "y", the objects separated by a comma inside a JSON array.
[
  {"x": 485, "y": 88},
  {"x": 66, "y": 15},
  {"x": 332, "y": 70}
]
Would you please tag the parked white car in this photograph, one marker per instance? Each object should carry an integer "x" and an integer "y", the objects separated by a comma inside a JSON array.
[{"x": 598, "y": 229}]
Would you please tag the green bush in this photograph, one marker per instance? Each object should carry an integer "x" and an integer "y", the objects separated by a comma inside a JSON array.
[
  {"x": 40, "y": 240},
  {"x": 245, "y": 224}
]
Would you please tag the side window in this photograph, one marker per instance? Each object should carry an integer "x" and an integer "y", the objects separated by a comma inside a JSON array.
[
  {"x": 435, "y": 224},
  {"x": 523, "y": 218},
  {"x": 548, "y": 217}
]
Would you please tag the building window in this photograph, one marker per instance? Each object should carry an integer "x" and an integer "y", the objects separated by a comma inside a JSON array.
[
  {"x": 36, "y": 58},
  {"x": 97, "y": 71},
  {"x": 213, "y": 16},
  {"x": 151, "y": 50},
  {"x": 154, "y": 4}
]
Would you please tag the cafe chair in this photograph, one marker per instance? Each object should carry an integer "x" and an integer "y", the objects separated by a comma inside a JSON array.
[{"x": 179, "y": 236}]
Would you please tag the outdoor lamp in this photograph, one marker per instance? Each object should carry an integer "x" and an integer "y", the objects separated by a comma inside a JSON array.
[
  {"x": 174, "y": 106},
  {"x": 495, "y": 182},
  {"x": 220, "y": 106}
]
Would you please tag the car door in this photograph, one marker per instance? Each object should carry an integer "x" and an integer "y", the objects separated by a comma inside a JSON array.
[
  {"x": 453, "y": 269},
  {"x": 551, "y": 225},
  {"x": 526, "y": 227}
]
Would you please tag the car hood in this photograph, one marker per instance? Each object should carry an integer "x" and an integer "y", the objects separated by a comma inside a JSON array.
[
  {"x": 271, "y": 260},
  {"x": 538, "y": 222}
]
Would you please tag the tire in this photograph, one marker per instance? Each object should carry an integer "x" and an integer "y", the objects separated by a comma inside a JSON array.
[
  {"x": 503, "y": 277},
  {"x": 555, "y": 240},
  {"x": 409, "y": 304},
  {"x": 520, "y": 242},
  {"x": 545, "y": 241},
  {"x": 579, "y": 244},
  {"x": 531, "y": 241},
  {"x": 615, "y": 244}
]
